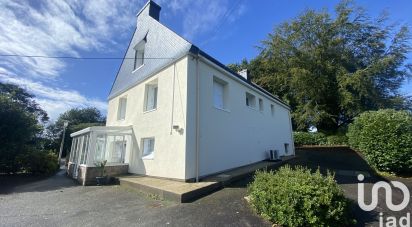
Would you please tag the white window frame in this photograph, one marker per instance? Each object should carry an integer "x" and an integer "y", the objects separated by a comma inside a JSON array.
[
  {"x": 148, "y": 154},
  {"x": 139, "y": 51},
  {"x": 272, "y": 109},
  {"x": 151, "y": 105},
  {"x": 250, "y": 100},
  {"x": 261, "y": 107},
  {"x": 286, "y": 148},
  {"x": 121, "y": 109},
  {"x": 220, "y": 94}
]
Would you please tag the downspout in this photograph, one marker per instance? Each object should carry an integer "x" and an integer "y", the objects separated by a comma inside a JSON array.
[
  {"x": 173, "y": 99},
  {"x": 197, "y": 117},
  {"x": 291, "y": 133}
]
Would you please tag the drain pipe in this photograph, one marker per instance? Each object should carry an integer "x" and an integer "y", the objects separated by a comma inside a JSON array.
[
  {"x": 173, "y": 99},
  {"x": 197, "y": 116}
]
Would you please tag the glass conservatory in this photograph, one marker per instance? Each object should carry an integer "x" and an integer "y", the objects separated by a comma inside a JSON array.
[{"x": 96, "y": 144}]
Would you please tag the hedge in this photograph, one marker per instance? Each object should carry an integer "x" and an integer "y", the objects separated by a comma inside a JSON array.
[
  {"x": 317, "y": 138},
  {"x": 39, "y": 162},
  {"x": 309, "y": 138},
  {"x": 297, "y": 197},
  {"x": 385, "y": 139}
]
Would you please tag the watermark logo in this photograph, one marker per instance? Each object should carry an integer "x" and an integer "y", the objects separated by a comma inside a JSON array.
[
  {"x": 388, "y": 192},
  {"x": 388, "y": 221}
]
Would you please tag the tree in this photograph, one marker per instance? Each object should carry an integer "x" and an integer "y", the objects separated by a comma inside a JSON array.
[
  {"x": 78, "y": 119},
  {"x": 236, "y": 67},
  {"x": 19, "y": 125},
  {"x": 20, "y": 96},
  {"x": 331, "y": 69}
]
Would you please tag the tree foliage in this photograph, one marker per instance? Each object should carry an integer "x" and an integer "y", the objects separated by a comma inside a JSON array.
[
  {"x": 22, "y": 98},
  {"x": 20, "y": 126},
  {"x": 332, "y": 68},
  {"x": 78, "y": 119}
]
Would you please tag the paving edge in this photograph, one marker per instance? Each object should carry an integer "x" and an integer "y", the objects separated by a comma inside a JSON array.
[
  {"x": 197, "y": 193},
  {"x": 167, "y": 195}
]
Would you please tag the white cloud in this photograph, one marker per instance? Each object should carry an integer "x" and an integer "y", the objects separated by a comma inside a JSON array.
[
  {"x": 204, "y": 16},
  {"x": 58, "y": 28},
  {"x": 72, "y": 27},
  {"x": 53, "y": 100},
  {"x": 54, "y": 28}
]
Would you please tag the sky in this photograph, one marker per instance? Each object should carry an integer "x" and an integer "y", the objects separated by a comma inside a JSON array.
[{"x": 229, "y": 30}]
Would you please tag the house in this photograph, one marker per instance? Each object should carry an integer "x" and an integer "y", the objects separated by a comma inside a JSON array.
[{"x": 176, "y": 112}]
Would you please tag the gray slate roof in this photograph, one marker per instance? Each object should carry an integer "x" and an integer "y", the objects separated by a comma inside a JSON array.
[{"x": 166, "y": 47}]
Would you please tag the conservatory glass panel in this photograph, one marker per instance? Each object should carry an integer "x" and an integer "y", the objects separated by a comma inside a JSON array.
[{"x": 100, "y": 148}]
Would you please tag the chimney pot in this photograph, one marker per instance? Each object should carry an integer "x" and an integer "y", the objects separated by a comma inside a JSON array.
[{"x": 244, "y": 73}]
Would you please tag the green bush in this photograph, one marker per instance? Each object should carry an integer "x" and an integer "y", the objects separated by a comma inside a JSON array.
[
  {"x": 309, "y": 138},
  {"x": 385, "y": 139},
  {"x": 337, "y": 140},
  {"x": 297, "y": 197},
  {"x": 39, "y": 162}
]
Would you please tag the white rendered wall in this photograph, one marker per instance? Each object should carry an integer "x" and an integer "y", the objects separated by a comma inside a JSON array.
[
  {"x": 169, "y": 149},
  {"x": 237, "y": 136}
]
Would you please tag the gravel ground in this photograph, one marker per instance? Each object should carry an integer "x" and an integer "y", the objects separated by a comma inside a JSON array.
[{"x": 59, "y": 201}]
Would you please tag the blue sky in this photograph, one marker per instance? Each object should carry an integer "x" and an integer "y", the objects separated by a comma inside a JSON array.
[{"x": 229, "y": 30}]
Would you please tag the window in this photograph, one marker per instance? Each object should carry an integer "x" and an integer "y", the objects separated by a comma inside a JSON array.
[
  {"x": 118, "y": 152},
  {"x": 139, "y": 54},
  {"x": 148, "y": 148},
  {"x": 151, "y": 96},
  {"x": 250, "y": 100},
  {"x": 219, "y": 93},
  {"x": 272, "y": 109},
  {"x": 121, "y": 111},
  {"x": 286, "y": 148},
  {"x": 261, "y": 105}
]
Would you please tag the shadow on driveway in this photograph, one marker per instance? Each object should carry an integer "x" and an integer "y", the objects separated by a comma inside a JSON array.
[
  {"x": 58, "y": 200},
  {"x": 29, "y": 183}
]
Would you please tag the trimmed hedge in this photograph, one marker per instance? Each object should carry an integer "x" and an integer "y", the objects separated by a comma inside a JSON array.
[
  {"x": 309, "y": 138},
  {"x": 39, "y": 162},
  {"x": 297, "y": 197},
  {"x": 385, "y": 139},
  {"x": 337, "y": 140},
  {"x": 318, "y": 138}
]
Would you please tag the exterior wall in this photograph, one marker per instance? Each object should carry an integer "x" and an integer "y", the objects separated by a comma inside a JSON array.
[
  {"x": 238, "y": 135},
  {"x": 169, "y": 148}
]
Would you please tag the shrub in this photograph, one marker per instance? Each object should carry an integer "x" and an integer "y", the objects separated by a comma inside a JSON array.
[
  {"x": 309, "y": 138},
  {"x": 39, "y": 162},
  {"x": 337, "y": 140},
  {"x": 385, "y": 139},
  {"x": 297, "y": 197}
]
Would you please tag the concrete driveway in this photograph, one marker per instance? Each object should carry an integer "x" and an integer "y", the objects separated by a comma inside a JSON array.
[{"x": 58, "y": 201}]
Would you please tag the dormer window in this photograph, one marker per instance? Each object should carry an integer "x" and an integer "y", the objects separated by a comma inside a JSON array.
[{"x": 139, "y": 54}]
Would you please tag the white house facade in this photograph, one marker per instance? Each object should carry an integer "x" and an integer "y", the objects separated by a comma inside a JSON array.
[{"x": 175, "y": 112}]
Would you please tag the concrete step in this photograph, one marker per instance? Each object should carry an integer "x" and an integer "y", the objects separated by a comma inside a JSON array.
[
  {"x": 169, "y": 189},
  {"x": 182, "y": 192}
]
